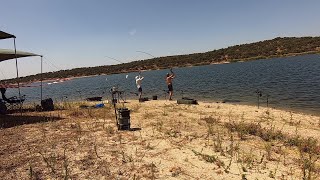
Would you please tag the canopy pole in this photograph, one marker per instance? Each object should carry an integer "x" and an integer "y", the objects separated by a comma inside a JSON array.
[
  {"x": 41, "y": 79},
  {"x": 15, "y": 53}
]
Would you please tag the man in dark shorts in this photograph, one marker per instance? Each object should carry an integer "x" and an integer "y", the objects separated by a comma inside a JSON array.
[
  {"x": 169, "y": 83},
  {"x": 138, "y": 83}
]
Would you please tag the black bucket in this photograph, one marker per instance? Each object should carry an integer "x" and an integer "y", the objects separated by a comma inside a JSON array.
[
  {"x": 47, "y": 105},
  {"x": 123, "y": 119},
  {"x": 154, "y": 97}
]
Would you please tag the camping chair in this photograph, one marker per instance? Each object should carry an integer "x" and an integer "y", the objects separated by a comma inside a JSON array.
[
  {"x": 12, "y": 102},
  {"x": 3, "y": 107}
]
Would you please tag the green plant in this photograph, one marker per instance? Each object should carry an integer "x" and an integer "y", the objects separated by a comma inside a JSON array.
[
  {"x": 243, "y": 177},
  {"x": 209, "y": 158},
  {"x": 248, "y": 159},
  {"x": 30, "y": 172},
  {"x": 65, "y": 165},
  {"x": 149, "y": 147},
  {"x": 217, "y": 145},
  {"x": 164, "y": 112},
  {"x": 271, "y": 174},
  {"x": 126, "y": 158},
  {"x": 231, "y": 152},
  {"x": 76, "y": 113},
  {"x": 95, "y": 148},
  {"x": 307, "y": 164},
  {"x": 153, "y": 166},
  {"x": 120, "y": 138},
  {"x": 309, "y": 145},
  {"x": 110, "y": 130},
  {"x": 78, "y": 131},
  {"x": 211, "y": 120},
  {"x": 50, "y": 161},
  {"x": 90, "y": 112},
  {"x": 268, "y": 148},
  {"x": 159, "y": 125},
  {"x": 175, "y": 171}
]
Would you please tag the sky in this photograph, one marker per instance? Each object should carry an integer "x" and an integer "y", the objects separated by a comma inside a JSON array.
[{"x": 82, "y": 33}]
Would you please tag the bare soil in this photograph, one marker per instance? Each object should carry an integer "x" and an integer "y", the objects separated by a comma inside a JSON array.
[{"x": 167, "y": 141}]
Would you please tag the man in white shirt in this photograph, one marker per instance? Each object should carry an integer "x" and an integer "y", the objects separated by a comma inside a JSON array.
[{"x": 138, "y": 83}]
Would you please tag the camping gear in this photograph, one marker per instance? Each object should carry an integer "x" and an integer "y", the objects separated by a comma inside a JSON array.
[
  {"x": 6, "y": 54},
  {"x": 154, "y": 97},
  {"x": 3, "y": 107},
  {"x": 101, "y": 105},
  {"x": 123, "y": 117},
  {"x": 97, "y": 98},
  {"x": 187, "y": 101},
  {"x": 117, "y": 95},
  {"x": 259, "y": 94},
  {"x": 13, "y": 102},
  {"x": 47, "y": 104},
  {"x": 143, "y": 99}
]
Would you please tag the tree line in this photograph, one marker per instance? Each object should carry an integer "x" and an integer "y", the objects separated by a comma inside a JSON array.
[{"x": 277, "y": 47}]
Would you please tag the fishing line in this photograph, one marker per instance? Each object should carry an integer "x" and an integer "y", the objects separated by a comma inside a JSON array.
[
  {"x": 48, "y": 64},
  {"x": 52, "y": 64},
  {"x": 115, "y": 59},
  {"x": 146, "y": 53}
]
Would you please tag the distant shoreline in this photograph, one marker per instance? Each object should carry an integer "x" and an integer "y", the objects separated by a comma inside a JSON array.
[
  {"x": 187, "y": 65},
  {"x": 266, "y": 49}
]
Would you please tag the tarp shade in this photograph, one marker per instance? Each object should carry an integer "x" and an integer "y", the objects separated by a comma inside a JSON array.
[
  {"x": 6, "y": 54},
  {"x": 4, "y": 35}
]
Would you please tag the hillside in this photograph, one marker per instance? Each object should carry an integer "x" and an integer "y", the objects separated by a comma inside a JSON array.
[{"x": 278, "y": 47}]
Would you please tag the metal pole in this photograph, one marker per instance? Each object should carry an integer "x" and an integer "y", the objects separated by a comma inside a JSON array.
[
  {"x": 41, "y": 80},
  {"x": 15, "y": 53}
]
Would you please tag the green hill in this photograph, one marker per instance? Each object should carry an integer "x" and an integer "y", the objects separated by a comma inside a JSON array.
[{"x": 278, "y": 47}]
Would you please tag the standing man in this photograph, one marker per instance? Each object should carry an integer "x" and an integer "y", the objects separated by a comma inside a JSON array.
[
  {"x": 138, "y": 83},
  {"x": 169, "y": 83}
]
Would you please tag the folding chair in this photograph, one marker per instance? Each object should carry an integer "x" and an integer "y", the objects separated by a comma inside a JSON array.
[{"x": 14, "y": 102}]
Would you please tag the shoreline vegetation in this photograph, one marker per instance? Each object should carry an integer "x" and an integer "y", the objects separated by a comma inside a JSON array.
[
  {"x": 275, "y": 48},
  {"x": 170, "y": 141}
]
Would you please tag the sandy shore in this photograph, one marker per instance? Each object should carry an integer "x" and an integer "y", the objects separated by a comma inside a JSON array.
[{"x": 169, "y": 141}]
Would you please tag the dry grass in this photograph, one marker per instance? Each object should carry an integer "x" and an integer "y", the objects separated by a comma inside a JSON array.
[{"x": 208, "y": 141}]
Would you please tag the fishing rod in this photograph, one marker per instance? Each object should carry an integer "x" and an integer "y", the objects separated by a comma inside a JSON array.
[
  {"x": 259, "y": 94},
  {"x": 146, "y": 53},
  {"x": 48, "y": 62},
  {"x": 115, "y": 59}
]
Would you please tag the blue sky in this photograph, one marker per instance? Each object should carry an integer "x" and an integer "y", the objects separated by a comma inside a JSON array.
[{"x": 80, "y": 33}]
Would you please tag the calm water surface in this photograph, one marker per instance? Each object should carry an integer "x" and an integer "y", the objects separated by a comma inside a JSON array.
[{"x": 292, "y": 83}]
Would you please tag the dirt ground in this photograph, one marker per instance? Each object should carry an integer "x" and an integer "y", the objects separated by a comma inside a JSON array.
[{"x": 167, "y": 141}]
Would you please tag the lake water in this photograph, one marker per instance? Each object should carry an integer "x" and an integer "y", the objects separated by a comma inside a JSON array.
[{"x": 292, "y": 83}]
